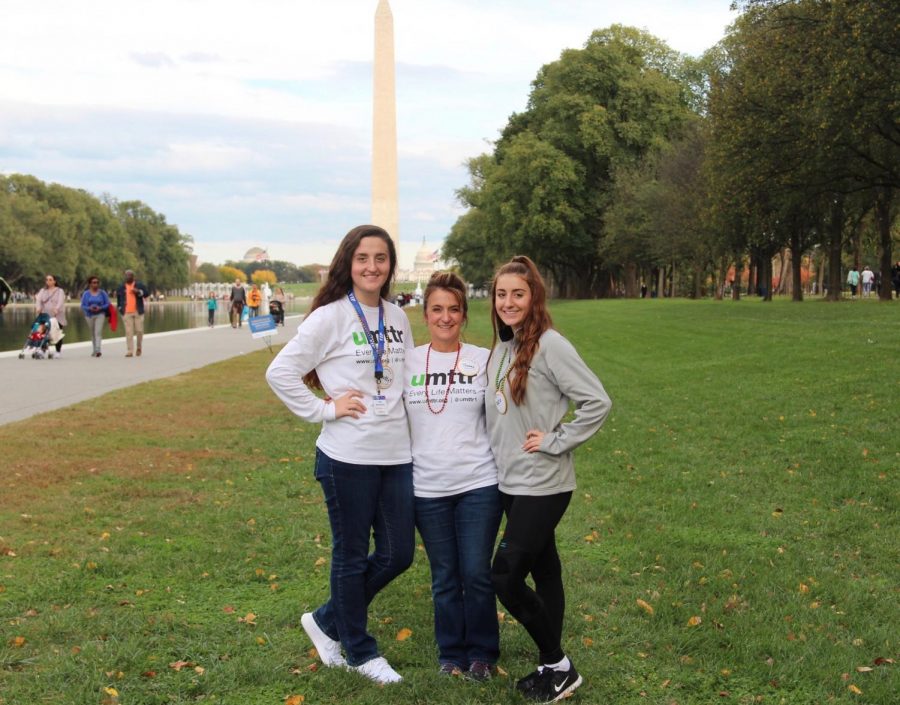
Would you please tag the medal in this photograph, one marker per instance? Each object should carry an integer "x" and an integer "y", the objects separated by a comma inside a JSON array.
[
  {"x": 499, "y": 383},
  {"x": 500, "y": 401},
  {"x": 468, "y": 367},
  {"x": 387, "y": 377}
]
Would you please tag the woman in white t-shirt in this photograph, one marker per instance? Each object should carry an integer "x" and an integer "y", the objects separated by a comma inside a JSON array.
[
  {"x": 353, "y": 345},
  {"x": 457, "y": 502}
]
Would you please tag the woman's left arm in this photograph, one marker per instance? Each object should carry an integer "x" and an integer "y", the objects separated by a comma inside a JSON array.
[{"x": 576, "y": 381}]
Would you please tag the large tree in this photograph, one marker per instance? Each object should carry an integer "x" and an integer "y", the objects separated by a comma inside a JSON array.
[{"x": 549, "y": 182}]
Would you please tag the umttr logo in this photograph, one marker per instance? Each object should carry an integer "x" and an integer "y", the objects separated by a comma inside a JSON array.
[
  {"x": 438, "y": 379},
  {"x": 391, "y": 335}
]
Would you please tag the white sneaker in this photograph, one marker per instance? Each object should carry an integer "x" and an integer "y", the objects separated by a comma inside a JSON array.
[
  {"x": 378, "y": 670},
  {"x": 329, "y": 649}
]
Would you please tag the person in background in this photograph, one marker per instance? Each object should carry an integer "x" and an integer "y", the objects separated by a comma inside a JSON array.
[
  {"x": 867, "y": 276},
  {"x": 130, "y": 298},
  {"x": 95, "y": 304},
  {"x": 457, "y": 502},
  {"x": 853, "y": 281},
  {"x": 238, "y": 298},
  {"x": 51, "y": 300},
  {"x": 5, "y": 293},
  {"x": 536, "y": 373},
  {"x": 353, "y": 345},
  {"x": 278, "y": 310},
  {"x": 211, "y": 306},
  {"x": 254, "y": 299}
]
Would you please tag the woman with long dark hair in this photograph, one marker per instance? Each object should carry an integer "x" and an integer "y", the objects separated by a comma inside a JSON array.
[
  {"x": 353, "y": 345},
  {"x": 535, "y": 373}
]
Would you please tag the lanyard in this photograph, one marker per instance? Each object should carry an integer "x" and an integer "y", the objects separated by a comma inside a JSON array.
[{"x": 377, "y": 352}]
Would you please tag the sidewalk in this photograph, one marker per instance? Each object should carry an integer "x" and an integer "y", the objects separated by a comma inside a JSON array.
[{"x": 29, "y": 387}]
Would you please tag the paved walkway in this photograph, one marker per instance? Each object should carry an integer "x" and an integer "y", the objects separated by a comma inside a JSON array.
[{"x": 29, "y": 387}]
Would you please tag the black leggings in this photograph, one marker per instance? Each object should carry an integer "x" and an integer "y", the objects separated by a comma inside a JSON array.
[{"x": 528, "y": 546}]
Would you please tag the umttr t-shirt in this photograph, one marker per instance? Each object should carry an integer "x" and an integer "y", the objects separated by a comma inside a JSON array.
[
  {"x": 451, "y": 450},
  {"x": 332, "y": 341}
]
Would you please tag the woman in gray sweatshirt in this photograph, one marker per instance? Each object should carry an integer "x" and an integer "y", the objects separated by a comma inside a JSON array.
[{"x": 535, "y": 374}]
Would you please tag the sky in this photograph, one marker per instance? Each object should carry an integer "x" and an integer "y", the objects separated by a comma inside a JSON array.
[{"x": 249, "y": 123}]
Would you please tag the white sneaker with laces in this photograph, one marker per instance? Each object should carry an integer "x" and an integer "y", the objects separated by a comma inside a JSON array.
[
  {"x": 329, "y": 649},
  {"x": 378, "y": 670}
]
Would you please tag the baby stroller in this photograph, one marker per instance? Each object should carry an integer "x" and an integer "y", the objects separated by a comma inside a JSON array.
[
  {"x": 276, "y": 308},
  {"x": 38, "y": 339}
]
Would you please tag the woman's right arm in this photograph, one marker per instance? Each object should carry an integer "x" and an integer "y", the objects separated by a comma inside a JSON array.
[{"x": 302, "y": 354}]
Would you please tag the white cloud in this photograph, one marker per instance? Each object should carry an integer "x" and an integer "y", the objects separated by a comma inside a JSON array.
[{"x": 249, "y": 124}]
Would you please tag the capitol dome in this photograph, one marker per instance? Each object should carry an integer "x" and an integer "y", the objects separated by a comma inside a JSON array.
[
  {"x": 256, "y": 254},
  {"x": 423, "y": 267}
]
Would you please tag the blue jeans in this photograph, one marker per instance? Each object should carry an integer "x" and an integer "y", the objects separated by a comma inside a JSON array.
[
  {"x": 363, "y": 500},
  {"x": 459, "y": 533}
]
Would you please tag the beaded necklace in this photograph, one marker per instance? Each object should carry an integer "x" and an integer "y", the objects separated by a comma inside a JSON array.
[
  {"x": 450, "y": 381},
  {"x": 500, "y": 382}
]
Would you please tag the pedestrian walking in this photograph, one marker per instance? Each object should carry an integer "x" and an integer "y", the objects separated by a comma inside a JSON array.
[
  {"x": 130, "y": 297},
  {"x": 95, "y": 305}
]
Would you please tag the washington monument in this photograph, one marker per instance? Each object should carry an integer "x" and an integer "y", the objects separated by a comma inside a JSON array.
[{"x": 385, "y": 209}]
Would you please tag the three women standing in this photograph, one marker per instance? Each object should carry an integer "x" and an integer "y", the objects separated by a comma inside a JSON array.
[
  {"x": 455, "y": 479},
  {"x": 95, "y": 304},
  {"x": 353, "y": 344},
  {"x": 536, "y": 372}
]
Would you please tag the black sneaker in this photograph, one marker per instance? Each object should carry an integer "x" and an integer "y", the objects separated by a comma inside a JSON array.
[
  {"x": 527, "y": 683},
  {"x": 552, "y": 685}
]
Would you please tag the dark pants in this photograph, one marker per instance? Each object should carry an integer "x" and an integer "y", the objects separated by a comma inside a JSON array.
[
  {"x": 211, "y": 316},
  {"x": 363, "y": 501},
  {"x": 459, "y": 533},
  {"x": 528, "y": 547}
]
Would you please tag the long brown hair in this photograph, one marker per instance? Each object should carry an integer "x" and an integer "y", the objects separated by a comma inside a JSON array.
[
  {"x": 339, "y": 281},
  {"x": 537, "y": 321},
  {"x": 448, "y": 281}
]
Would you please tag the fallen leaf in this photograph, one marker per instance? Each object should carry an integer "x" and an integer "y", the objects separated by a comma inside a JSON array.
[
  {"x": 228, "y": 609},
  {"x": 864, "y": 669},
  {"x": 880, "y": 661},
  {"x": 853, "y": 689},
  {"x": 501, "y": 672},
  {"x": 18, "y": 642},
  {"x": 178, "y": 665},
  {"x": 404, "y": 634},
  {"x": 261, "y": 641},
  {"x": 587, "y": 641},
  {"x": 293, "y": 700},
  {"x": 112, "y": 692},
  {"x": 148, "y": 674},
  {"x": 665, "y": 683},
  {"x": 695, "y": 621},
  {"x": 249, "y": 619},
  {"x": 199, "y": 670},
  {"x": 804, "y": 588},
  {"x": 647, "y": 607}
]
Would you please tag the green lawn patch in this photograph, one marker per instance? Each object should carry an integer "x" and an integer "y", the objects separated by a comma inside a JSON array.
[{"x": 733, "y": 539}]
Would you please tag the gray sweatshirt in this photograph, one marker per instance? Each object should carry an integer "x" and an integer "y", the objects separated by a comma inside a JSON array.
[{"x": 557, "y": 376}]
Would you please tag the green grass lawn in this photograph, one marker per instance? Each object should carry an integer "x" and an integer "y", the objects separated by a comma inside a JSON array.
[{"x": 744, "y": 490}]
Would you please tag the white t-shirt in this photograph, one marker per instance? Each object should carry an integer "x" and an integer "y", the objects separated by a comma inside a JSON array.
[
  {"x": 451, "y": 451},
  {"x": 332, "y": 341}
]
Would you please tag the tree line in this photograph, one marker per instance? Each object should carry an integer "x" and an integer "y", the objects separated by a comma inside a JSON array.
[
  {"x": 67, "y": 232},
  {"x": 273, "y": 271},
  {"x": 633, "y": 164}
]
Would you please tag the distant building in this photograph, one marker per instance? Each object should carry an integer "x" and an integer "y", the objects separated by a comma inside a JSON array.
[
  {"x": 424, "y": 265},
  {"x": 256, "y": 254}
]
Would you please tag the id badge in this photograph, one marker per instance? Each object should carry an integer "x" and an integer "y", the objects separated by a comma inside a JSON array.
[{"x": 379, "y": 405}]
